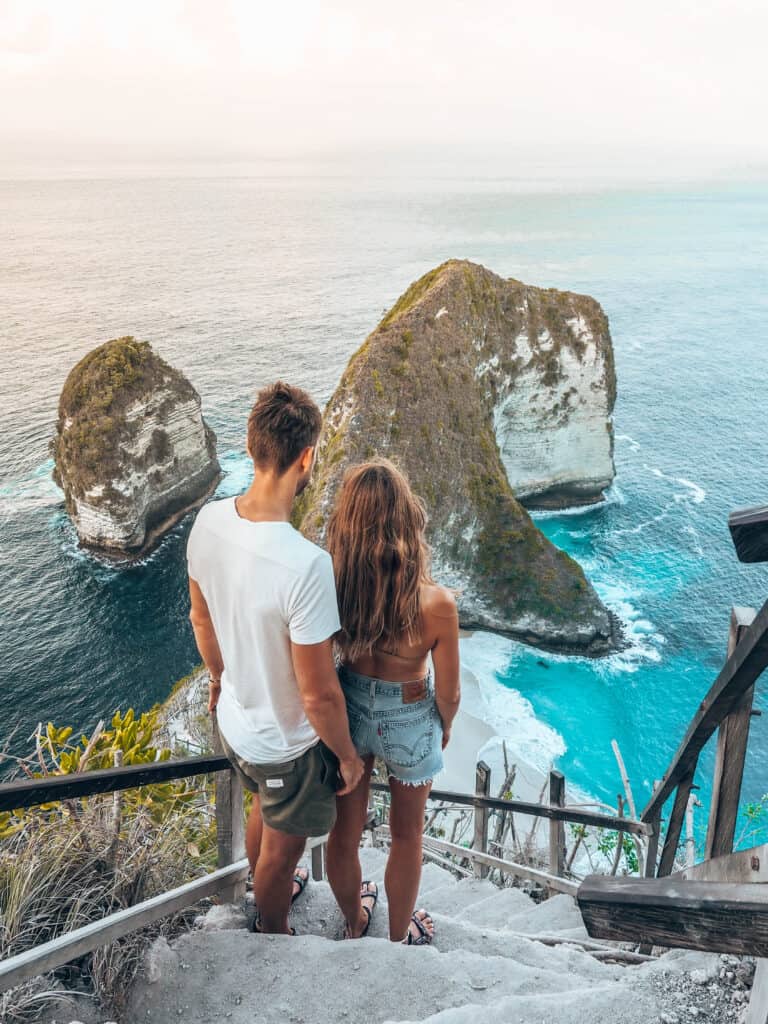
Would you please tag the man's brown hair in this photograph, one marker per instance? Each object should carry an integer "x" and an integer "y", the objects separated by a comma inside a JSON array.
[{"x": 283, "y": 422}]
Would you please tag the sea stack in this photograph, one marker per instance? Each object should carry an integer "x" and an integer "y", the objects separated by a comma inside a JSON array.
[
  {"x": 132, "y": 451},
  {"x": 488, "y": 393}
]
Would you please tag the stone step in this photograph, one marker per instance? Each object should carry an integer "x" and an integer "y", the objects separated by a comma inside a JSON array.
[{"x": 242, "y": 977}]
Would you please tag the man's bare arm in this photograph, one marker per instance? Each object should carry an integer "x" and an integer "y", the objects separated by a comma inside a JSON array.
[
  {"x": 325, "y": 706},
  {"x": 207, "y": 644}
]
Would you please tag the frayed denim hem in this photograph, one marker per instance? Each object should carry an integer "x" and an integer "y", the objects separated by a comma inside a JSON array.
[{"x": 410, "y": 782}]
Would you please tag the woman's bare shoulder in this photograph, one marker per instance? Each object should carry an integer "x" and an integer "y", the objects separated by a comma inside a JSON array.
[{"x": 438, "y": 601}]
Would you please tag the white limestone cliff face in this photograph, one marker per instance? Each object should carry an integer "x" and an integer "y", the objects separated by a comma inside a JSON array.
[
  {"x": 151, "y": 497},
  {"x": 556, "y": 441},
  {"x": 131, "y": 468}
]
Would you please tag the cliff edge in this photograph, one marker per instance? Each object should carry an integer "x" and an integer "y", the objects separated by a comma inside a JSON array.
[
  {"x": 132, "y": 451},
  {"x": 480, "y": 387}
]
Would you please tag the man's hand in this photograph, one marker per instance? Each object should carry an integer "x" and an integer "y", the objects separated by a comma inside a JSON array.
[
  {"x": 351, "y": 772},
  {"x": 214, "y": 692}
]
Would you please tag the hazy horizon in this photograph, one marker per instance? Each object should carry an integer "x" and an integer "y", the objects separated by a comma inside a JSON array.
[{"x": 561, "y": 90}]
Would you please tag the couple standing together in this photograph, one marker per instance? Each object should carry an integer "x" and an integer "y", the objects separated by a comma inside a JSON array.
[{"x": 319, "y": 662}]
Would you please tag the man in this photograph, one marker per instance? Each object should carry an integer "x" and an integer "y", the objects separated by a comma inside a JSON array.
[{"x": 264, "y": 612}]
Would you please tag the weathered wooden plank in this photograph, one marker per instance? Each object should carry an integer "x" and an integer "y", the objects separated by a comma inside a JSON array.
[
  {"x": 732, "y": 742},
  {"x": 740, "y": 671},
  {"x": 480, "y": 841},
  {"x": 718, "y": 917},
  {"x": 29, "y": 792},
  {"x": 743, "y": 866},
  {"x": 83, "y": 940},
  {"x": 556, "y": 828},
  {"x": 675, "y": 825},
  {"x": 504, "y": 866},
  {"x": 230, "y": 820},
  {"x": 575, "y": 814}
]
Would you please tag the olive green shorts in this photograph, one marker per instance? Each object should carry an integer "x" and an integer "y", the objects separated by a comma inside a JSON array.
[{"x": 297, "y": 797}]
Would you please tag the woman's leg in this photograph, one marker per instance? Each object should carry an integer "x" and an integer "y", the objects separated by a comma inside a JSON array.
[
  {"x": 403, "y": 874},
  {"x": 343, "y": 860}
]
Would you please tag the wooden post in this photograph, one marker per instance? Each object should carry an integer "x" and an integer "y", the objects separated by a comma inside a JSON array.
[
  {"x": 675, "y": 826},
  {"x": 230, "y": 821},
  {"x": 480, "y": 843},
  {"x": 732, "y": 740},
  {"x": 556, "y": 828}
]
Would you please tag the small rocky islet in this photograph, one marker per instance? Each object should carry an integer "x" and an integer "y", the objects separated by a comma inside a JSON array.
[
  {"x": 132, "y": 451},
  {"x": 492, "y": 395}
]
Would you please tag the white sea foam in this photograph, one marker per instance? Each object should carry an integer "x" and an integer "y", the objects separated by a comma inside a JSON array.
[
  {"x": 505, "y": 709},
  {"x": 627, "y": 439},
  {"x": 613, "y": 496},
  {"x": 31, "y": 492},
  {"x": 644, "y": 641},
  {"x": 694, "y": 492},
  {"x": 237, "y": 468}
]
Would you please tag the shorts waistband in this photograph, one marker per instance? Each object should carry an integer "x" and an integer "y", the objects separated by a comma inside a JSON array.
[{"x": 377, "y": 687}]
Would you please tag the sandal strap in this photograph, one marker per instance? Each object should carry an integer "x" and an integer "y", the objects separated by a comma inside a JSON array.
[{"x": 424, "y": 938}]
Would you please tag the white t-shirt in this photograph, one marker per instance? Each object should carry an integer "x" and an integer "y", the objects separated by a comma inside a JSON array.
[{"x": 265, "y": 585}]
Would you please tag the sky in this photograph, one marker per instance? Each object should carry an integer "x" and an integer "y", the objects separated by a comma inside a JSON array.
[{"x": 670, "y": 80}]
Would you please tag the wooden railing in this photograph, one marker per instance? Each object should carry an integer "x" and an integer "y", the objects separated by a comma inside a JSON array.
[
  {"x": 228, "y": 880},
  {"x": 727, "y": 707},
  {"x": 716, "y": 905}
]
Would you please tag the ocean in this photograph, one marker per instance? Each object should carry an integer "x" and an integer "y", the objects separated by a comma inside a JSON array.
[{"x": 239, "y": 280}]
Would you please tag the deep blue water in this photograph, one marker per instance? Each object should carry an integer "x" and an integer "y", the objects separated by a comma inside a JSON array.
[{"x": 240, "y": 280}]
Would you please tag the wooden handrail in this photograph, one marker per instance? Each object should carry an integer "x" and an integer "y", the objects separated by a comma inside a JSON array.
[
  {"x": 741, "y": 670},
  {"x": 565, "y": 813},
  {"x": 29, "y": 792},
  {"x": 717, "y": 917}
]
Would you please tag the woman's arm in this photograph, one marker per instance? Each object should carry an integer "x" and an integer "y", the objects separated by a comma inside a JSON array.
[{"x": 444, "y": 618}]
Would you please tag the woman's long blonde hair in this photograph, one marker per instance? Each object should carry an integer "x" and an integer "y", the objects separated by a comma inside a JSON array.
[{"x": 380, "y": 558}]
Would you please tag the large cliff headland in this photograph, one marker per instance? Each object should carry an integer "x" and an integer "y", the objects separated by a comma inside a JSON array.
[
  {"x": 488, "y": 393},
  {"x": 132, "y": 451}
]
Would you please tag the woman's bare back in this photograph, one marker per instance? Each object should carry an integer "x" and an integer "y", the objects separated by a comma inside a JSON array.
[{"x": 400, "y": 661}]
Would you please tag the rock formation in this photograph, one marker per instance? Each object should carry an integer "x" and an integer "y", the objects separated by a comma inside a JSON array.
[
  {"x": 132, "y": 451},
  {"x": 478, "y": 387}
]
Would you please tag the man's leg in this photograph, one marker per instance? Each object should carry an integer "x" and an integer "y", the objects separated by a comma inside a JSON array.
[
  {"x": 273, "y": 877},
  {"x": 343, "y": 860},
  {"x": 253, "y": 833},
  {"x": 403, "y": 872}
]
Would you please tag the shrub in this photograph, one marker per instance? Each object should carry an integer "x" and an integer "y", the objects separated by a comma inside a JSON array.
[{"x": 65, "y": 864}]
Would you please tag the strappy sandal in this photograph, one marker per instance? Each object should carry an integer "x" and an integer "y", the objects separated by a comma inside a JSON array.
[
  {"x": 368, "y": 891},
  {"x": 425, "y": 937},
  {"x": 301, "y": 881}
]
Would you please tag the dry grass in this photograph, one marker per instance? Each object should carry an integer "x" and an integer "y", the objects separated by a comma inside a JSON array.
[{"x": 65, "y": 865}]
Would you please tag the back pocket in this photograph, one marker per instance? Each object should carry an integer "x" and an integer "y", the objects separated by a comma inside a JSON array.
[{"x": 407, "y": 740}]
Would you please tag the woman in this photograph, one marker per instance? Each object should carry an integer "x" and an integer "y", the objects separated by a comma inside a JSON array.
[{"x": 394, "y": 618}]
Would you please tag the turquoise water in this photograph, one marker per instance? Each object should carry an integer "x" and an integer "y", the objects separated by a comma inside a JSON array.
[{"x": 240, "y": 280}]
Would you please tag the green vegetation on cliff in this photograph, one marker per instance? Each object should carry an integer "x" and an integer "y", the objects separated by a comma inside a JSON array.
[{"x": 96, "y": 395}]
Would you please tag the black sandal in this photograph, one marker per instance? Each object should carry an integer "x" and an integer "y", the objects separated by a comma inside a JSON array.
[
  {"x": 365, "y": 893},
  {"x": 301, "y": 881},
  {"x": 424, "y": 938},
  {"x": 298, "y": 879}
]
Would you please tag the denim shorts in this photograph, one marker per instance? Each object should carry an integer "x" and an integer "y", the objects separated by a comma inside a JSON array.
[{"x": 406, "y": 736}]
